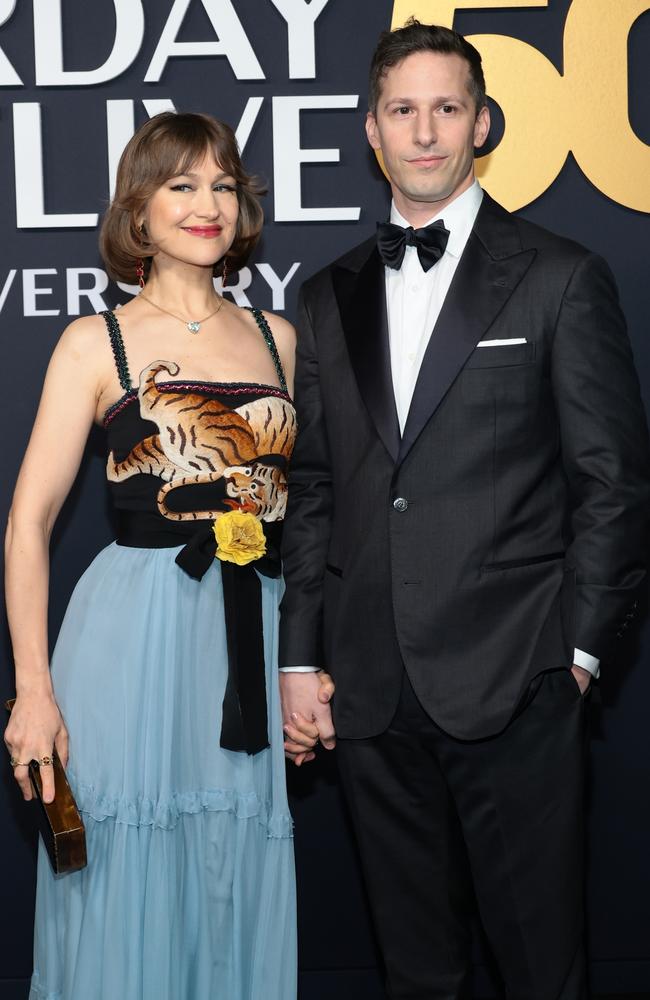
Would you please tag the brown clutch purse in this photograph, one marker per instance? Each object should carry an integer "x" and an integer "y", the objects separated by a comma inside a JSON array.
[{"x": 60, "y": 824}]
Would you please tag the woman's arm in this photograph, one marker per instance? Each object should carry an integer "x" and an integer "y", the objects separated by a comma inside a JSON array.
[{"x": 66, "y": 412}]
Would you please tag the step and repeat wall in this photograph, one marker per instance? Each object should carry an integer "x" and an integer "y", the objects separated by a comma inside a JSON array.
[{"x": 569, "y": 148}]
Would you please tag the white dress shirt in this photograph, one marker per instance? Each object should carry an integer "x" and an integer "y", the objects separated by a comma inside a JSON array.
[{"x": 414, "y": 299}]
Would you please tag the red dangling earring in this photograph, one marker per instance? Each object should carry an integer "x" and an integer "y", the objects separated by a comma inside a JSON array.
[
  {"x": 139, "y": 263},
  {"x": 224, "y": 273}
]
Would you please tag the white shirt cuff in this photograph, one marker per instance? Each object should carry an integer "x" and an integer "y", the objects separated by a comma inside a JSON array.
[
  {"x": 299, "y": 670},
  {"x": 587, "y": 662}
]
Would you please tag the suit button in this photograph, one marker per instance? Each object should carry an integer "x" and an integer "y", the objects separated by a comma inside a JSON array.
[{"x": 400, "y": 503}]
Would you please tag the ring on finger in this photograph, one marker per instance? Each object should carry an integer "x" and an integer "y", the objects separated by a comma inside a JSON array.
[
  {"x": 45, "y": 761},
  {"x": 17, "y": 763}
]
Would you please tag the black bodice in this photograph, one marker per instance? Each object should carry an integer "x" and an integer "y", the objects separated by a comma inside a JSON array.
[{"x": 197, "y": 449}]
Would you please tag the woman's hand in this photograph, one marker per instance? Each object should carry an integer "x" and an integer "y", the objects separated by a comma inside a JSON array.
[{"x": 35, "y": 728}]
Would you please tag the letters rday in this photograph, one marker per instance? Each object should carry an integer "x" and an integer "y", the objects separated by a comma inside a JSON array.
[
  {"x": 42, "y": 288},
  {"x": 231, "y": 41}
]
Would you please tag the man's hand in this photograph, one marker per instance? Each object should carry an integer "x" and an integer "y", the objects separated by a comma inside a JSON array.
[
  {"x": 583, "y": 678},
  {"x": 306, "y": 714}
]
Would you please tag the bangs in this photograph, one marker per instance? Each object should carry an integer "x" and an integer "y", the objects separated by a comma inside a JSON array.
[
  {"x": 188, "y": 162},
  {"x": 177, "y": 149}
]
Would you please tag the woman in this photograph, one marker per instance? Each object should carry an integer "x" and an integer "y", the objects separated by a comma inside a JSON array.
[{"x": 164, "y": 670}]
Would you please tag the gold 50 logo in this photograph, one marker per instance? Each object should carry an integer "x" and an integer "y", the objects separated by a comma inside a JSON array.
[{"x": 548, "y": 114}]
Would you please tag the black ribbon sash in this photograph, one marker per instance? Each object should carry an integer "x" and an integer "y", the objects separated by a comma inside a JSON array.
[{"x": 244, "y": 725}]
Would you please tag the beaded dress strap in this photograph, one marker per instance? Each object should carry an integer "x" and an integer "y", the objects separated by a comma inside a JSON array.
[
  {"x": 119, "y": 353},
  {"x": 265, "y": 330}
]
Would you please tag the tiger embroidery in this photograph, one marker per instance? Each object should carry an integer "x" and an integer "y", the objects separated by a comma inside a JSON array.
[
  {"x": 258, "y": 488},
  {"x": 199, "y": 439}
]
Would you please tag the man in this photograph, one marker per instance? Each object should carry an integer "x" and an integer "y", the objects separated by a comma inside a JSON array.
[{"x": 467, "y": 533}]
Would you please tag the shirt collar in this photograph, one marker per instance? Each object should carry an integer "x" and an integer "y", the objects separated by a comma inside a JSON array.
[{"x": 459, "y": 217}]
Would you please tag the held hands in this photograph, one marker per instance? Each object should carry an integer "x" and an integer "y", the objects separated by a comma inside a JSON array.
[
  {"x": 306, "y": 714},
  {"x": 35, "y": 728},
  {"x": 582, "y": 678}
]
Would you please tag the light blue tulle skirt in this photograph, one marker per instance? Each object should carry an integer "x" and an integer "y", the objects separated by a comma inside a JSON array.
[{"x": 189, "y": 891}]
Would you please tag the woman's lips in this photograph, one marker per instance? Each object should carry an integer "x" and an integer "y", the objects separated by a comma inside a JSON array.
[{"x": 207, "y": 232}]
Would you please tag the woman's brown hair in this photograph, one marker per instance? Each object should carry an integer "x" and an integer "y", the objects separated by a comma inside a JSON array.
[{"x": 168, "y": 145}]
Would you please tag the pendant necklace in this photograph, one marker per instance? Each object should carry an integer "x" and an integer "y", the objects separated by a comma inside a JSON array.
[{"x": 193, "y": 325}]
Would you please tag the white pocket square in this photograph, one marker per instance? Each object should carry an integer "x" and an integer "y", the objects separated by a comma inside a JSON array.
[{"x": 502, "y": 343}]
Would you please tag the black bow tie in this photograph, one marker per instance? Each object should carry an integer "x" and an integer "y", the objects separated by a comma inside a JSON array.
[{"x": 392, "y": 242}]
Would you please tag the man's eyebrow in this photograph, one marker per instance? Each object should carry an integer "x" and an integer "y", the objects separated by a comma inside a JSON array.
[{"x": 437, "y": 99}]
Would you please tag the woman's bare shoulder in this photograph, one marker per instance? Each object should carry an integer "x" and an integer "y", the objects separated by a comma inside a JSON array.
[
  {"x": 83, "y": 349},
  {"x": 84, "y": 335}
]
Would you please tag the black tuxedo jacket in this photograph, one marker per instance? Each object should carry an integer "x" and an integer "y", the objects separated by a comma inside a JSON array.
[{"x": 508, "y": 523}]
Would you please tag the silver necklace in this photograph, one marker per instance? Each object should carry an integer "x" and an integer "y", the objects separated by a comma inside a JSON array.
[{"x": 193, "y": 325}]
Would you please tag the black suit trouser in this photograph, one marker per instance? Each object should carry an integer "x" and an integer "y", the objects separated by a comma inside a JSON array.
[{"x": 440, "y": 820}]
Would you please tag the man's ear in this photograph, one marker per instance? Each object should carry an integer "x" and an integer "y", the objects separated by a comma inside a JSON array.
[
  {"x": 371, "y": 131},
  {"x": 481, "y": 127}
]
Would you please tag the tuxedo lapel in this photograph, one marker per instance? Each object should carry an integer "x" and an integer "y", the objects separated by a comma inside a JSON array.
[
  {"x": 361, "y": 298},
  {"x": 491, "y": 267}
]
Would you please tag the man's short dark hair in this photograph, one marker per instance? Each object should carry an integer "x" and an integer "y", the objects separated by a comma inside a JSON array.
[{"x": 395, "y": 46}]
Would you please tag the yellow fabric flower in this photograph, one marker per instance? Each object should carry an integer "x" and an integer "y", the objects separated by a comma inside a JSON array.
[{"x": 240, "y": 537}]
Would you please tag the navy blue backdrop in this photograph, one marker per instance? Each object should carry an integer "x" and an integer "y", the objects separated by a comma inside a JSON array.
[{"x": 291, "y": 76}]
